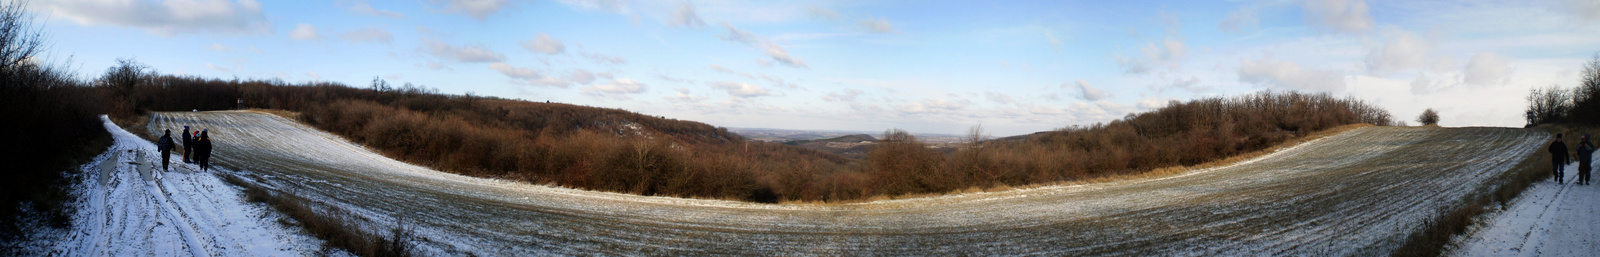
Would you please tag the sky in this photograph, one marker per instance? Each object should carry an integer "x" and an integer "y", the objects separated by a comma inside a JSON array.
[{"x": 1013, "y": 67}]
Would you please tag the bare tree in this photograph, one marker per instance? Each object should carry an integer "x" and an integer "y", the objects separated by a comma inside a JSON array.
[
  {"x": 20, "y": 39},
  {"x": 127, "y": 74},
  {"x": 1548, "y": 105},
  {"x": 1586, "y": 97},
  {"x": 1428, "y": 117}
]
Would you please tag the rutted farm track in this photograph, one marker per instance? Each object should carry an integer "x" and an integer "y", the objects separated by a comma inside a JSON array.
[{"x": 1356, "y": 193}]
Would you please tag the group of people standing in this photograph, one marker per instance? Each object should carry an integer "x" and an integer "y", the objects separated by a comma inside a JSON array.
[
  {"x": 196, "y": 148},
  {"x": 1559, "y": 158}
]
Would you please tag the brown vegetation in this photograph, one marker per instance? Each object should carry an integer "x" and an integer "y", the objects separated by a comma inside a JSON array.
[{"x": 621, "y": 151}]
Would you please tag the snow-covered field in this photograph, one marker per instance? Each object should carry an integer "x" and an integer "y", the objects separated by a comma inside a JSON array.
[
  {"x": 127, "y": 206},
  {"x": 1355, "y": 193},
  {"x": 1548, "y": 219}
]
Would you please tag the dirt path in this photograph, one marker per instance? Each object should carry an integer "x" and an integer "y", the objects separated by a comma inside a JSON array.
[
  {"x": 1356, "y": 193},
  {"x": 1548, "y": 219}
]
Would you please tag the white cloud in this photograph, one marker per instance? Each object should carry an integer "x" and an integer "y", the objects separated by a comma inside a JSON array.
[
  {"x": 1240, "y": 20},
  {"x": 849, "y": 95},
  {"x": 879, "y": 25},
  {"x": 603, "y": 59},
  {"x": 1192, "y": 84},
  {"x": 1283, "y": 74},
  {"x": 1422, "y": 85},
  {"x": 1345, "y": 16},
  {"x": 254, "y": 49},
  {"x": 1588, "y": 10},
  {"x": 477, "y": 9},
  {"x": 998, "y": 97},
  {"x": 369, "y": 35},
  {"x": 218, "y": 68},
  {"x": 616, "y": 88},
  {"x": 932, "y": 105},
  {"x": 741, "y": 90},
  {"x": 721, "y": 69},
  {"x": 1132, "y": 65},
  {"x": 819, "y": 12},
  {"x": 516, "y": 72},
  {"x": 168, "y": 17},
  {"x": 366, "y": 8},
  {"x": 581, "y": 76},
  {"x": 683, "y": 96},
  {"x": 1486, "y": 69},
  {"x": 1151, "y": 103},
  {"x": 528, "y": 76},
  {"x": 544, "y": 44},
  {"x": 1053, "y": 41},
  {"x": 1085, "y": 91},
  {"x": 1402, "y": 51},
  {"x": 436, "y": 65},
  {"x": 1444, "y": 63},
  {"x": 778, "y": 54},
  {"x": 738, "y": 35},
  {"x": 474, "y": 53},
  {"x": 1045, "y": 110},
  {"x": 314, "y": 76},
  {"x": 218, "y": 48},
  {"x": 686, "y": 17},
  {"x": 771, "y": 49},
  {"x": 304, "y": 32}
]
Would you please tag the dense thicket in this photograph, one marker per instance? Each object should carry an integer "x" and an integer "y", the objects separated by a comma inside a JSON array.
[
  {"x": 1556, "y": 105},
  {"x": 50, "y": 123},
  {"x": 1183, "y": 133}
]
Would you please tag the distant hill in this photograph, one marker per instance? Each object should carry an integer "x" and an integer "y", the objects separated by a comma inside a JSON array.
[{"x": 851, "y": 146}]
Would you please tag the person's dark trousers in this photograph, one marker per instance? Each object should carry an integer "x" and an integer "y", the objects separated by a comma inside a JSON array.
[
  {"x": 1583, "y": 174},
  {"x": 166, "y": 157},
  {"x": 1558, "y": 171}
]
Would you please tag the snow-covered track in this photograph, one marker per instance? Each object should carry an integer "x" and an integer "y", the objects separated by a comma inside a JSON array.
[{"x": 1356, "y": 193}]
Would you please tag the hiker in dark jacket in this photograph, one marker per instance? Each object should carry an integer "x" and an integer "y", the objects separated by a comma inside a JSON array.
[
  {"x": 203, "y": 147},
  {"x": 1585, "y": 156},
  {"x": 188, "y": 145},
  {"x": 1558, "y": 157},
  {"x": 165, "y": 145}
]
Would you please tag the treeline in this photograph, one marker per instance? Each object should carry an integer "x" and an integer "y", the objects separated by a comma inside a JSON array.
[
  {"x": 620, "y": 151},
  {"x": 50, "y": 122},
  {"x": 1578, "y": 106},
  {"x": 1183, "y": 133}
]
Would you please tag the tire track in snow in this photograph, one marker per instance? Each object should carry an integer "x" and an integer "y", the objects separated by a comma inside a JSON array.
[
  {"x": 1356, "y": 193},
  {"x": 127, "y": 208}
]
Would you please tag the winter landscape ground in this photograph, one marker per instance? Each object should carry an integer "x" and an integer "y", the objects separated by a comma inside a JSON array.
[
  {"x": 1356, "y": 193},
  {"x": 1549, "y": 219}
]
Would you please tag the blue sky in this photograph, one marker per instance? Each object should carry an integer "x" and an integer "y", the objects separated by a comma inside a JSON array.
[{"x": 1015, "y": 67}]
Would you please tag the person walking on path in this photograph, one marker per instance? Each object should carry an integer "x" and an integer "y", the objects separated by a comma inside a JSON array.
[
  {"x": 188, "y": 145},
  {"x": 203, "y": 148},
  {"x": 165, "y": 146},
  {"x": 1585, "y": 156},
  {"x": 1558, "y": 157}
]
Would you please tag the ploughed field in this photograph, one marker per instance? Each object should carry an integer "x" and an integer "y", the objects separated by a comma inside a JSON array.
[{"x": 1356, "y": 193}]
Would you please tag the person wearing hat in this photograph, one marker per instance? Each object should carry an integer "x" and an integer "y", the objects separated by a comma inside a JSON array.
[
  {"x": 188, "y": 144},
  {"x": 203, "y": 148},
  {"x": 1585, "y": 157},
  {"x": 1558, "y": 157},
  {"x": 165, "y": 146}
]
